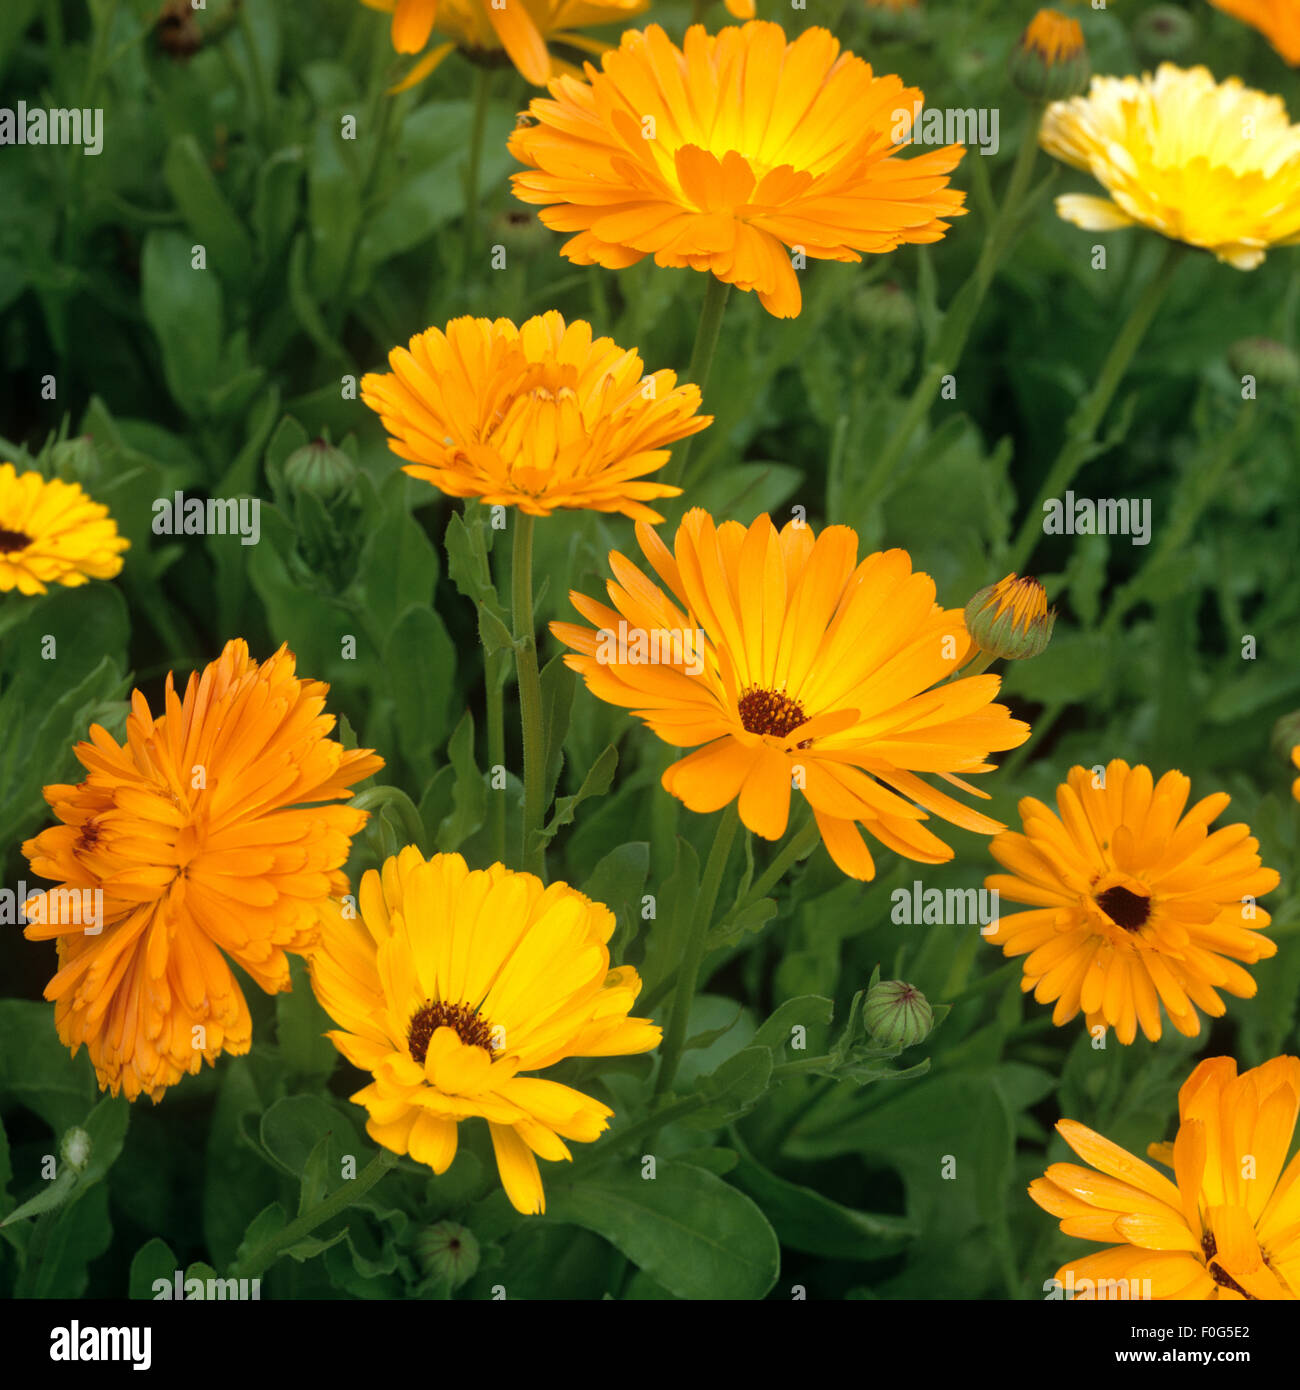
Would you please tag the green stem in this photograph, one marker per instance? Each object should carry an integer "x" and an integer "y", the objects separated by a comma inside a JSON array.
[
  {"x": 960, "y": 318},
  {"x": 798, "y": 847},
  {"x": 496, "y": 732},
  {"x": 706, "y": 343},
  {"x": 482, "y": 86},
  {"x": 374, "y": 798},
  {"x": 987, "y": 982},
  {"x": 347, "y": 1195},
  {"x": 530, "y": 691},
  {"x": 688, "y": 977},
  {"x": 1083, "y": 425}
]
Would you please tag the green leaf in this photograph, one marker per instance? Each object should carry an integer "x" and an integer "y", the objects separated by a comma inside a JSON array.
[
  {"x": 752, "y": 918},
  {"x": 293, "y": 1127},
  {"x": 204, "y": 207},
  {"x": 35, "y": 1069},
  {"x": 300, "y": 1026},
  {"x": 398, "y": 566},
  {"x": 152, "y": 1261},
  {"x": 734, "y": 1088},
  {"x": 685, "y": 1228},
  {"x": 596, "y": 783},
  {"x": 805, "y": 1220},
  {"x": 420, "y": 660},
  {"x": 183, "y": 308},
  {"x": 811, "y": 1012},
  {"x": 468, "y": 792}
]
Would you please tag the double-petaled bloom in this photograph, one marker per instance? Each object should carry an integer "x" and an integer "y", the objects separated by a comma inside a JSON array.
[
  {"x": 51, "y": 532},
  {"x": 538, "y": 417},
  {"x": 797, "y": 667},
  {"x": 204, "y": 833},
  {"x": 1214, "y": 165},
  {"x": 1226, "y": 1228},
  {"x": 454, "y": 985},
  {"x": 739, "y": 154},
  {"x": 1134, "y": 903}
]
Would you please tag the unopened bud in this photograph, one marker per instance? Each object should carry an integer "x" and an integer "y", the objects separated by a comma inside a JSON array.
[
  {"x": 897, "y": 1014},
  {"x": 320, "y": 469},
  {"x": 76, "y": 1148},
  {"x": 1164, "y": 32},
  {"x": 1050, "y": 62},
  {"x": 447, "y": 1252},
  {"x": 1010, "y": 619}
]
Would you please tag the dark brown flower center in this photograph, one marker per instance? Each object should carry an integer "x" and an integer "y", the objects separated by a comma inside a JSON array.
[
  {"x": 770, "y": 712},
  {"x": 472, "y": 1030},
  {"x": 1210, "y": 1248},
  {"x": 12, "y": 540},
  {"x": 1125, "y": 909}
]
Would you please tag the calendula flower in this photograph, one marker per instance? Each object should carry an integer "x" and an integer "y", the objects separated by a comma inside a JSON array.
[
  {"x": 796, "y": 666},
  {"x": 483, "y": 30},
  {"x": 1010, "y": 619},
  {"x": 1214, "y": 165},
  {"x": 1226, "y": 1227},
  {"x": 201, "y": 834},
  {"x": 455, "y": 984},
  {"x": 536, "y": 417},
  {"x": 1277, "y": 20},
  {"x": 720, "y": 155},
  {"x": 1134, "y": 903},
  {"x": 51, "y": 532},
  {"x": 1295, "y": 761},
  {"x": 1050, "y": 60}
]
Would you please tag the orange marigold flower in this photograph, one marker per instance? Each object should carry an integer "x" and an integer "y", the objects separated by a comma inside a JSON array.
[
  {"x": 199, "y": 835},
  {"x": 797, "y": 666},
  {"x": 484, "y": 30},
  {"x": 721, "y": 154},
  {"x": 1226, "y": 1228},
  {"x": 536, "y": 417},
  {"x": 1134, "y": 903},
  {"x": 1277, "y": 20}
]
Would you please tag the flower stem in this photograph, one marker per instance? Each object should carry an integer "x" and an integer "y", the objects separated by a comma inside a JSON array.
[
  {"x": 688, "y": 977},
  {"x": 496, "y": 737},
  {"x": 960, "y": 317},
  {"x": 706, "y": 343},
  {"x": 530, "y": 691},
  {"x": 482, "y": 87},
  {"x": 1082, "y": 428},
  {"x": 347, "y": 1195}
]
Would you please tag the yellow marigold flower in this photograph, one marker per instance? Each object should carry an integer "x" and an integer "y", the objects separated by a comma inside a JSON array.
[
  {"x": 1226, "y": 1227},
  {"x": 453, "y": 985},
  {"x": 1214, "y": 165},
  {"x": 1277, "y": 20},
  {"x": 1010, "y": 620},
  {"x": 536, "y": 417},
  {"x": 202, "y": 835},
  {"x": 51, "y": 532},
  {"x": 797, "y": 666},
  {"x": 1134, "y": 904},
  {"x": 1295, "y": 760},
  {"x": 720, "y": 155},
  {"x": 520, "y": 28}
]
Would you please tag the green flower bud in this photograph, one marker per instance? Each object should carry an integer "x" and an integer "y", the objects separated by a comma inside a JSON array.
[
  {"x": 897, "y": 1014},
  {"x": 1050, "y": 62},
  {"x": 76, "y": 1148},
  {"x": 320, "y": 469},
  {"x": 1164, "y": 32},
  {"x": 1269, "y": 362},
  {"x": 1010, "y": 620},
  {"x": 447, "y": 1252}
]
